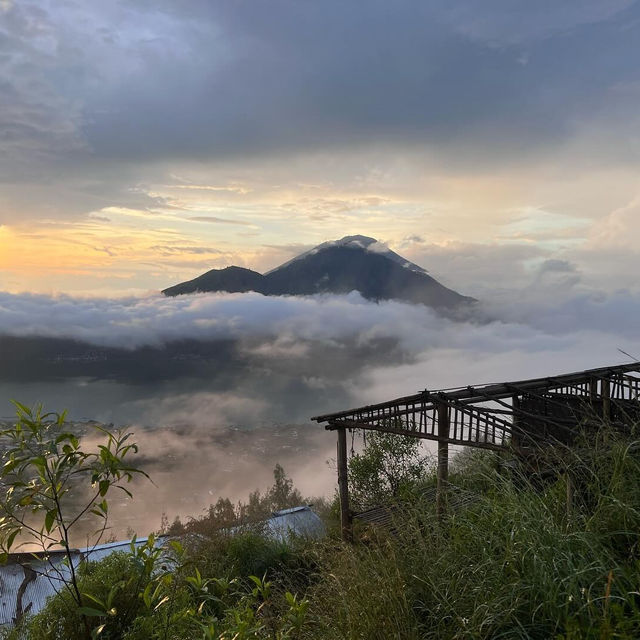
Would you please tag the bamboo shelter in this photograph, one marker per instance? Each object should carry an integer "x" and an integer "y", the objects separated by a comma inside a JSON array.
[{"x": 518, "y": 416}]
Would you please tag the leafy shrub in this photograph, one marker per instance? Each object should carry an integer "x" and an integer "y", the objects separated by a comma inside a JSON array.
[
  {"x": 61, "y": 618},
  {"x": 388, "y": 467}
]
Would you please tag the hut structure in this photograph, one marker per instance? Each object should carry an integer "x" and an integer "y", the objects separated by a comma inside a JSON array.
[{"x": 520, "y": 416}]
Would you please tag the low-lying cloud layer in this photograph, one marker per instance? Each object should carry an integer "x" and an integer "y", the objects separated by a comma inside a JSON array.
[
  {"x": 156, "y": 320},
  {"x": 553, "y": 303}
]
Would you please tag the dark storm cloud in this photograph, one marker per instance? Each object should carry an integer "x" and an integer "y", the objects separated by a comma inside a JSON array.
[
  {"x": 282, "y": 76},
  {"x": 158, "y": 80},
  {"x": 505, "y": 22}
]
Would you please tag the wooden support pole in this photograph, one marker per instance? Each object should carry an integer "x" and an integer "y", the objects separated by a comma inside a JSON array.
[
  {"x": 443, "y": 458},
  {"x": 343, "y": 486},
  {"x": 516, "y": 434},
  {"x": 606, "y": 399}
]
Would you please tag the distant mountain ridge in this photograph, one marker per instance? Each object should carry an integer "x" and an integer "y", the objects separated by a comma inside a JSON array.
[{"x": 353, "y": 263}]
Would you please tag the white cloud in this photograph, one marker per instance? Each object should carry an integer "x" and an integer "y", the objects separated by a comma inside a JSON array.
[
  {"x": 619, "y": 229},
  {"x": 154, "y": 320},
  {"x": 526, "y": 316}
]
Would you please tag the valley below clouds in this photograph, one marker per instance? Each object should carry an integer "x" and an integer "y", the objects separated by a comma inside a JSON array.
[{"x": 218, "y": 388}]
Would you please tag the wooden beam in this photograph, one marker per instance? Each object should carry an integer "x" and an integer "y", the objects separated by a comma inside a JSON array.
[
  {"x": 343, "y": 486},
  {"x": 365, "y": 426},
  {"x": 443, "y": 458}
]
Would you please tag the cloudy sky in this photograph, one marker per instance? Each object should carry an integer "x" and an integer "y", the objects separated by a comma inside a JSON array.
[{"x": 493, "y": 143}]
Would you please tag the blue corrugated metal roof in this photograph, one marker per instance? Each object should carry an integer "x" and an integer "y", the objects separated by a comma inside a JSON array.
[
  {"x": 298, "y": 521},
  {"x": 42, "y": 575},
  {"x": 39, "y": 578}
]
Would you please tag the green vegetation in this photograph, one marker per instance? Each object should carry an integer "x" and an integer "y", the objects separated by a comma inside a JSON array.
[
  {"x": 513, "y": 562},
  {"x": 50, "y": 482},
  {"x": 389, "y": 468},
  {"x": 151, "y": 593}
]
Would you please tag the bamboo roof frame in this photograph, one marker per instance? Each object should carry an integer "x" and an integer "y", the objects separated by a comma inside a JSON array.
[
  {"x": 503, "y": 416},
  {"x": 402, "y": 415}
]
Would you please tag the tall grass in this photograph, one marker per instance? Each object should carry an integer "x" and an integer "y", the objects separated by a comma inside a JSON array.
[{"x": 516, "y": 563}]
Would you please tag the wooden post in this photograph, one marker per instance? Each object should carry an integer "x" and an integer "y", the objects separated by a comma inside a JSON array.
[
  {"x": 606, "y": 399},
  {"x": 443, "y": 458},
  {"x": 343, "y": 486},
  {"x": 593, "y": 396},
  {"x": 516, "y": 435}
]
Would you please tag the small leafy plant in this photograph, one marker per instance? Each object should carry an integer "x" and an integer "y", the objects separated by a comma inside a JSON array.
[{"x": 43, "y": 484}]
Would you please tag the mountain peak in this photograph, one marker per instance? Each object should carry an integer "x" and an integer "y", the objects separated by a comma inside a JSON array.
[
  {"x": 363, "y": 243},
  {"x": 357, "y": 240},
  {"x": 353, "y": 263}
]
